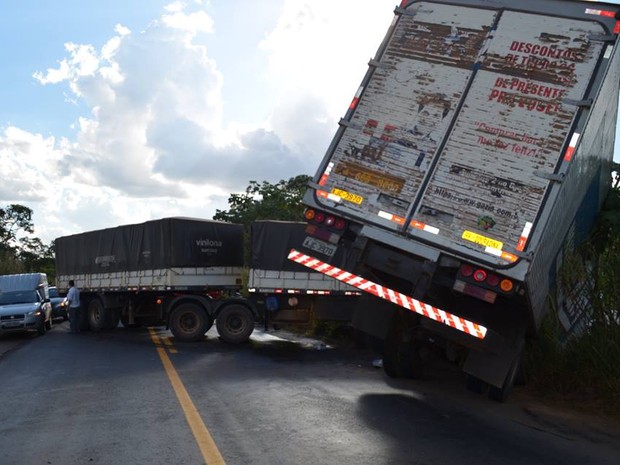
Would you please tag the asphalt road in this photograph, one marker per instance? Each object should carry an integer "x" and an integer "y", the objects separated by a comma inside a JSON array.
[{"x": 137, "y": 397}]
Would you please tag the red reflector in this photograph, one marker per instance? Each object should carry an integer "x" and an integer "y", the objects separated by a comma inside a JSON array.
[
  {"x": 467, "y": 270},
  {"x": 340, "y": 224},
  {"x": 480, "y": 275},
  {"x": 493, "y": 280},
  {"x": 319, "y": 217},
  {"x": 475, "y": 291}
]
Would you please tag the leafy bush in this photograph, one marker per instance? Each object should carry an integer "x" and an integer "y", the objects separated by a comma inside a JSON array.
[{"x": 586, "y": 369}]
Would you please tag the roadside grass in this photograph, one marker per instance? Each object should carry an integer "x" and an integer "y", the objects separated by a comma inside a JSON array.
[{"x": 583, "y": 372}]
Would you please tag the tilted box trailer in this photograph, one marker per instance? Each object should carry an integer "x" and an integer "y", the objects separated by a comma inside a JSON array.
[{"x": 477, "y": 149}]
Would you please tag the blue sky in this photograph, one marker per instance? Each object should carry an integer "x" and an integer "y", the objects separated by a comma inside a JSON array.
[
  {"x": 33, "y": 34},
  {"x": 123, "y": 111}
]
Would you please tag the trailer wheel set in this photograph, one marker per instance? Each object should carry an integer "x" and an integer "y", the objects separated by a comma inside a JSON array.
[{"x": 189, "y": 320}]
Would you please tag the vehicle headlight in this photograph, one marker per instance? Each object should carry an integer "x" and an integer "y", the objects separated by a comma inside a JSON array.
[
  {"x": 36, "y": 312},
  {"x": 63, "y": 303}
]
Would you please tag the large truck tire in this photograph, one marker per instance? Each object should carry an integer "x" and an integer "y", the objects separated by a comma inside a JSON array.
[
  {"x": 403, "y": 360},
  {"x": 401, "y": 350},
  {"x": 95, "y": 315},
  {"x": 235, "y": 323},
  {"x": 189, "y": 322}
]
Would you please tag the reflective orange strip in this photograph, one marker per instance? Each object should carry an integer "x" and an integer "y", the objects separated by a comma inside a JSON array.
[
  {"x": 609, "y": 14},
  {"x": 423, "y": 227},
  {"x": 402, "y": 300},
  {"x": 329, "y": 196},
  {"x": 326, "y": 174},
  {"x": 524, "y": 236},
  {"x": 511, "y": 258},
  {"x": 390, "y": 217},
  {"x": 356, "y": 99},
  {"x": 568, "y": 156}
]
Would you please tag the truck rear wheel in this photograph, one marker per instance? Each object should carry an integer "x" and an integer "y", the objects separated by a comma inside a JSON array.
[
  {"x": 401, "y": 351},
  {"x": 235, "y": 323},
  {"x": 403, "y": 360},
  {"x": 189, "y": 322},
  {"x": 96, "y": 315}
]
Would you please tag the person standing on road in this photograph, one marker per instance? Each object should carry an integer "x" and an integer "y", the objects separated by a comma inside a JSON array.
[{"x": 73, "y": 297}]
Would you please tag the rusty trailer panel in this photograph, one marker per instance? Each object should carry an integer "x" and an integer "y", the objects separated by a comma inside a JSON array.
[
  {"x": 386, "y": 150},
  {"x": 492, "y": 175},
  {"x": 466, "y": 120}
]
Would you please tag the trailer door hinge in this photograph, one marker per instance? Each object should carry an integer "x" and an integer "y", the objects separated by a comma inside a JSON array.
[
  {"x": 401, "y": 11},
  {"x": 377, "y": 64},
  {"x": 602, "y": 38},
  {"x": 578, "y": 103},
  {"x": 555, "y": 177},
  {"x": 349, "y": 124}
]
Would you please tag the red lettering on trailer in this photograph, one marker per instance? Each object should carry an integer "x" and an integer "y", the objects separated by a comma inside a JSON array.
[{"x": 543, "y": 50}]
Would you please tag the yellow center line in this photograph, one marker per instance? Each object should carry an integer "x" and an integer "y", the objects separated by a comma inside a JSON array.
[
  {"x": 168, "y": 343},
  {"x": 205, "y": 442}
]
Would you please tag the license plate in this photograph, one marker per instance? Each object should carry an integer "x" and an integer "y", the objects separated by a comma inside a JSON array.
[
  {"x": 12, "y": 324},
  {"x": 320, "y": 246},
  {"x": 354, "y": 198}
]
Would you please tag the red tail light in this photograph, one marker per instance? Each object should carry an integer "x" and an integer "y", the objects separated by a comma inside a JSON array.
[
  {"x": 493, "y": 280},
  {"x": 330, "y": 221},
  {"x": 467, "y": 270},
  {"x": 480, "y": 276}
]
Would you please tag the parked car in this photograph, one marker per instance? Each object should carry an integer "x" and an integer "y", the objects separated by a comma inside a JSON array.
[
  {"x": 60, "y": 308},
  {"x": 25, "y": 303}
]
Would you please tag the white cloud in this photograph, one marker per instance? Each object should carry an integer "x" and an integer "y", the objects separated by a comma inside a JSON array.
[
  {"x": 154, "y": 144},
  {"x": 323, "y": 46},
  {"x": 192, "y": 23},
  {"x": 27, "y": 162}
]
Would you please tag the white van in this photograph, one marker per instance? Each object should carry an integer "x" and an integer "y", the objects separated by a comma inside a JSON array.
[{"x": 25, "y": 303}]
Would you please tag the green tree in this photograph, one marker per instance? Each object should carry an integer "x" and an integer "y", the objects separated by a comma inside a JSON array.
[
  {"x": 20, "y": 251},
  {"x": 13, "y": 220},
  {"x": 266, "y": 201}
]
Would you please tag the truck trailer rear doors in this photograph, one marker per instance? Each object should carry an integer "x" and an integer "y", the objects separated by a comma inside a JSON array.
[{"x": 463, "y": 123}]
